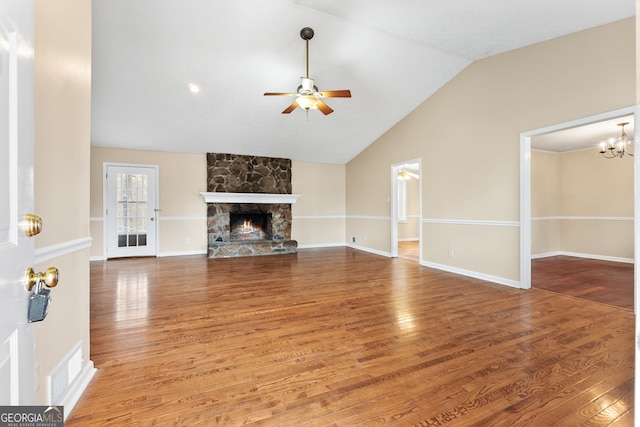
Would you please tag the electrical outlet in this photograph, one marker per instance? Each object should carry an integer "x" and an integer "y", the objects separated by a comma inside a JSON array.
[
  {"x": 353, "y": 239},
  {"x": 450, "y": 253},
  {"x": 186, "y": 241}
]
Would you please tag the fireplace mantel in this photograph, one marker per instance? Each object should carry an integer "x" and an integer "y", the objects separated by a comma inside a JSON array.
[{"x": 218, "y": 197}]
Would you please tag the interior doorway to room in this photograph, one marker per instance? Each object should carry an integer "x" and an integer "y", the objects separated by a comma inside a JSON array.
[
  {"x": 406, "y": 207},
  {"x": 130, "y": 216},
  {"x": 572, "y": 262}
]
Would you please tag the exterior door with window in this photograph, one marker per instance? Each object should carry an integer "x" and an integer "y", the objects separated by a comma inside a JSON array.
[
  {"x": 131, "y": 211},
  {"x": 17, "y": 351}
]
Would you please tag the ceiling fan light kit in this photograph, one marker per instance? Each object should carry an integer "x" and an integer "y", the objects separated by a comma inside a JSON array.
[
  {"x": 307, "y": 96},
  {"x": 405, "y": 175},
  {"x": 617, "y": 147}
]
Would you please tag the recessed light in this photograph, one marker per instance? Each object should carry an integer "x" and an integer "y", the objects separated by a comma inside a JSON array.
[{"x": 194, "y": 88}]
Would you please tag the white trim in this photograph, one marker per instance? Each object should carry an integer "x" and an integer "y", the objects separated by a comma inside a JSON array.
[
  {"x": 183, "y": 253},
  {"x": 474, "y": 274},
  {"x": 77, "y": 388},
  {"x": 636, "y": 261},
  {"x": 319, "y": 217},
  {"x": 321, "y": 245},
  {"x": 472, "y": 222},
  {"x": 161, "y": 218},
  {"x": 249, "y": 198},
  {"x": 97, "y": 258},
  {"x": 182, "y": 218},
  {"x": 582, "y": 218},
  {"x": 372, "y": 218},
  {"x": 410, "y": 239},
  {"x": 580, "y": 255},
  {"x": 370, "y": 250},
  {"x": 61, "y": 249}
]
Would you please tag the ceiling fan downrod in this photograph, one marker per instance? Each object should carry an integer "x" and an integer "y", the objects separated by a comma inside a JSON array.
[{"x": 307, "y": 34}]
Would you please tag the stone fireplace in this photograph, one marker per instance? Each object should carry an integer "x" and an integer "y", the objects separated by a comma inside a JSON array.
[{"x": 248, "y": 206}]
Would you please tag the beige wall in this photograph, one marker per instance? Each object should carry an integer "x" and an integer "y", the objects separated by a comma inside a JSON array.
[
  {"x": 318, "y": 214},
  {"x": 471, "y": 197},
  {"x": 582, "y": 204},
  {"x": 62, "y": 137}
]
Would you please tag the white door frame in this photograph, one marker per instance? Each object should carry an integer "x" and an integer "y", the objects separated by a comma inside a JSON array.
[
  {"x": 395, "y": 168},
  {"x": 105, "y": 202}
]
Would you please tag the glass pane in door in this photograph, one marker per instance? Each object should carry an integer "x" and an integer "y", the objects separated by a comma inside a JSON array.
[{"x": 131, "y": 193}]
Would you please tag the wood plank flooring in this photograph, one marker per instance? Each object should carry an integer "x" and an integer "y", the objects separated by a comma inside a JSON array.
[
  {"x": 340, "y": 337},
  {"x": 606, "y": 282},
  {"x": 409, "y": 250}
]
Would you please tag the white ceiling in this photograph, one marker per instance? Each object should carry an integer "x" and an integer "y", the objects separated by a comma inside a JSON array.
[
  {"x": 584, "y": 137},
  {"x": 392, "y": 55}
]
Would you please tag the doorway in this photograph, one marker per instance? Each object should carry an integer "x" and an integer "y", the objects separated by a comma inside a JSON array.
[
  {"x": 527, "y": 140},
  {"x": 406, "y": 210},
  {"x": 130, "y": 198}
]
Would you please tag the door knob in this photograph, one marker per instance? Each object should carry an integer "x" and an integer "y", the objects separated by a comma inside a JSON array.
[
  {"x": 31, "y": 225},
  {"x": 49, "y": 277}
]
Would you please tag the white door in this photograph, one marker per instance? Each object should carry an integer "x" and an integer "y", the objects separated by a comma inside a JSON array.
[
  {"x": 131, "y": 211},
  {"x": 17, "y": 373}
]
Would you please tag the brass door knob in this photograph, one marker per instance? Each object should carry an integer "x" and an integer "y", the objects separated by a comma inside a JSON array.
[
  {"x": 49, "y": 278},
  {"x": 31, "y": 225}
]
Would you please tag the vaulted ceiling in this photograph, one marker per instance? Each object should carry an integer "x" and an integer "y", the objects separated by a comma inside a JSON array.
[{"x": 392, "y": 55}]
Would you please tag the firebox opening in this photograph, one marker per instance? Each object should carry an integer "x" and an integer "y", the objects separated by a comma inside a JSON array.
[{"x": 254, "y": 226}]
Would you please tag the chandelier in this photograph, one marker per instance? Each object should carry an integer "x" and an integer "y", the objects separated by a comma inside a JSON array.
[{"x": 617, "y": 147}]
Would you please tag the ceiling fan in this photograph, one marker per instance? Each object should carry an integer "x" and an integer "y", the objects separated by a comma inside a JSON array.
[{"x": 307, "y": 96}]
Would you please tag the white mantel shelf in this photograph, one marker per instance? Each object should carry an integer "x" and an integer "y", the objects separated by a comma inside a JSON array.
[{"x": 249, "y": 198}]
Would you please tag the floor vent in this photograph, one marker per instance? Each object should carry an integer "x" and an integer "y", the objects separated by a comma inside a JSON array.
[{"x": 64, "y": 375}]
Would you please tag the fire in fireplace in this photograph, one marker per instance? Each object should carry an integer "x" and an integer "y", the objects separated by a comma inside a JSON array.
[{"x": 252, "y": 226}]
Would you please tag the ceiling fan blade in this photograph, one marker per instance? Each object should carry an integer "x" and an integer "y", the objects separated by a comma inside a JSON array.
[
  {"x": 324, "y": 108},
  {"x": 345, "y": 93},
  {"x": 279, "y": 94},
  {"x": 290, "y": 108}
]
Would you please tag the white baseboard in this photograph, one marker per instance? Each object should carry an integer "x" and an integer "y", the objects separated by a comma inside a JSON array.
[
  {"x": 78, "y": 387},
  {"x": 474, "y": 274},
  {"x": 409, "y": 239},
  {"x": 370, "y": 250},
  {"x": 579, "y": 255},
  {"x": 320, "y": 245},
  {"x": 182, "y": 253}
]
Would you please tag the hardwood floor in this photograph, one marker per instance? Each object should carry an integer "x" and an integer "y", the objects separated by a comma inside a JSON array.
[
  {"x": 409, "y": 250},
  {"x": 337, "y": 336},
  {"x": 606, "y": 282}
]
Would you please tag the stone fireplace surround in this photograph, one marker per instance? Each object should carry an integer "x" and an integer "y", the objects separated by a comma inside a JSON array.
[{"x": 239, "y": 184}]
